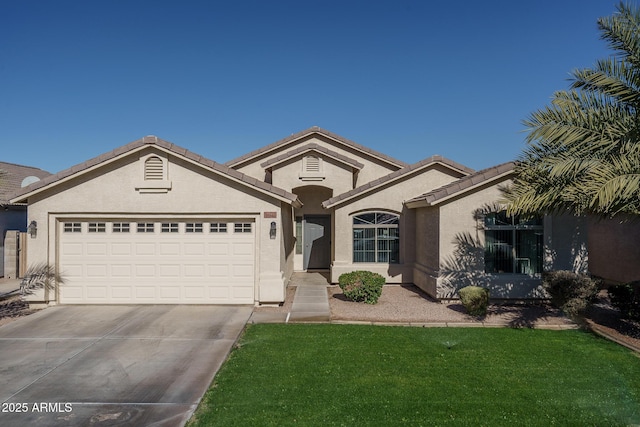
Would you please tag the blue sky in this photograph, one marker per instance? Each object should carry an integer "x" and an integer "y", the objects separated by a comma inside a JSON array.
[{"x": 409, "y": 78}]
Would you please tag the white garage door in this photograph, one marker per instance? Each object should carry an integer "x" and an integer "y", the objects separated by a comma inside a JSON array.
[{"x": 157, "y": 262}]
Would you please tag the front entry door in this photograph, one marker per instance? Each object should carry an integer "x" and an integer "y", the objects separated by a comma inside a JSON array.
[{"x": 317, "y": 242}]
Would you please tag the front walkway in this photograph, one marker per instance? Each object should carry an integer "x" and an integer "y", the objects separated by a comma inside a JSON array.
[{"x": 309, "y": 302}]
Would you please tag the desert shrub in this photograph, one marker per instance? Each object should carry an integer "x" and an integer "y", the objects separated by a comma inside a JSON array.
[
  {"x": 569, "y": 291},
  {"x": 361, "y": 286},
  {"x": 626, "y": 298},
  {"x": 475, "y": 300}
]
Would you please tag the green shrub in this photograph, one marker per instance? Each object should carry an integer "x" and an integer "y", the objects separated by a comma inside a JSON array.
[
  {"x": 626, "y": 298},
  {"x": 362, "y": 286},
  {"x": 569, "y": 291},
  {"x": 475, "y": 299}
]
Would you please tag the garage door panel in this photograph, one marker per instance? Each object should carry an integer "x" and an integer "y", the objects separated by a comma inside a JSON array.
[
  {"x": 121, "y": 248},
  {"x": 242, "y": 248},
  {"x": 145, "y": 270},
  {"x": 241, "y": 293},
  {"x": 221, "y": 248},
  {"x": 242, "y": 271},
  {"x": 119, "y": 270},
  {"x": 96, "y": 270},
  {"x": 99, "y": 292},
  {"x": 145, "y": 248},
  {"x": 172, "y": 270},
  {"x": 70, "y": 249},
  {"x": 194, "y": 249},
  {"x": 145, "y": 292},
  {"x": 169, "y": 249},
  {"x": 169, "y": 292},
  {"x": 158, "y": 268},
  {"x": 195, "y": 292},
  {"x": 194, "y": 270},
  {"x": 218, "y": 270},
  {"x": 121, "y": 292},
  {"x": 72, "y": 293},
  {"x": 219, "y": 293},
  {"x": 72, "y": 271},
  {"x": 97, "y": 249}
]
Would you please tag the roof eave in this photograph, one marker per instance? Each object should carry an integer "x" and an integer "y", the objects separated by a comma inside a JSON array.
[
  {"x": 353, "y": 164},
  {"x": 327, "y": 204},
  {"x": 314, "y": 130},
  {"x": 168, "y": 148},
  {"x": 423, "y": 201},
  {"x": 23, "y": 198}
]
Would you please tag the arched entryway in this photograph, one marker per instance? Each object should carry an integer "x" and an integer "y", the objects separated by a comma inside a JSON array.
[{"x": 313, "y": 229}]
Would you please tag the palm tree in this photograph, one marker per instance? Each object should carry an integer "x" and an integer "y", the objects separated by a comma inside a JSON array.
[{"x": 583, "y": 150}]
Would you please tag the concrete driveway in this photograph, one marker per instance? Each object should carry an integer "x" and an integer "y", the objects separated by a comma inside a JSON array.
[{"x": 113, "y": 365}]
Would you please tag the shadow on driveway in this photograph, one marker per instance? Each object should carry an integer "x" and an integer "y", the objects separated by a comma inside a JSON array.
[{"x": 113, "y": 365}]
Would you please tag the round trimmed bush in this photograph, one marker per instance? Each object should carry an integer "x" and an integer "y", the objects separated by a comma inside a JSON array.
[
  {"x": 362, "y": 286},
  {"x": 475, "y": 299},
  {"x": 569, "y": 291}
]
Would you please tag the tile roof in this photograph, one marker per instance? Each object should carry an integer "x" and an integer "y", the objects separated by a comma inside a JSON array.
[
  {"x": 463, "y": 185},
  {"x": 396, "y": 175},
  {"x": 168, "y": 146},
  {"x": 320, "y": 131},
  {"x": 312, "y": 146},
  {"x": 11, "y": 177}
]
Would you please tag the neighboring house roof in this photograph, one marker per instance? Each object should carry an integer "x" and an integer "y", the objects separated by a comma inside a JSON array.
[
  {"x": 393, "y": 176},
  {"x": 462, "y": 186},
  {"x": 311, "y": 147},
  {"x": 52, "y": 180},
  {"x": 11, "y": 177},
  {"x": 315, "y": 129}
]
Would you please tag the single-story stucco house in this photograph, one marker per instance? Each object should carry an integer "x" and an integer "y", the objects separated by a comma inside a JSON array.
[{"x": 153, "y": 223}]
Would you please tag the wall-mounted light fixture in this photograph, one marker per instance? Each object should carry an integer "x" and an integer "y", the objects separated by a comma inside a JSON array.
[
  {"x": 272, "y": 230},
  {"x": 32, "y": 229}
]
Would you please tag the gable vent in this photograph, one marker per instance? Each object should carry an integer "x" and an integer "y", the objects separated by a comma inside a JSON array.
[
  {"x": 153, "y": 169},
  {"x": 312, "y": 164}
]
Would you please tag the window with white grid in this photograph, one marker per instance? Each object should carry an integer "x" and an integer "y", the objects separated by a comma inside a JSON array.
[{"x": 218, "y": 227}]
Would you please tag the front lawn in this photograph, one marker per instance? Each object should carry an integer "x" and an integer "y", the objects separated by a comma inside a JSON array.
[{"x": 352, "y": 375}]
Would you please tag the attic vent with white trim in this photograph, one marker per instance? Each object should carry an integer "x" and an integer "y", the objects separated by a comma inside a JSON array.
[
  {"x": 312, "y": 169},
  {"x": 153, "y": 174},
  {"x": 153, "y": 168}
]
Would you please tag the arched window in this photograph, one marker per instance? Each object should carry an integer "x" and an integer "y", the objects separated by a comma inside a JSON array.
[
  {"x": 153, "y": 169},
  {"x": 376, "y": 237}
]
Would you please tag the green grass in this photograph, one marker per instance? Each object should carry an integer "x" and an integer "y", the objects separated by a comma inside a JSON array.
[{"x": 351, "y": 375}]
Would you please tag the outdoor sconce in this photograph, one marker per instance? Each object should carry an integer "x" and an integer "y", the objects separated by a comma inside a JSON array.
[
  {"x": 272, "y": 230},
  {"x": 32, "y": 229}
]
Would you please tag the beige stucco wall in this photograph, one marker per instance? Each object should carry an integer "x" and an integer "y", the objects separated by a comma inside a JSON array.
[
  {"x": 373, "y": 168},
  {"x": 460, "y": 248},
  {"x": 334, "y": 175},
  {"x": 110, "y": 191},
  {"x": 389, "y": 198},
  {"x": 427, "y": 256}
]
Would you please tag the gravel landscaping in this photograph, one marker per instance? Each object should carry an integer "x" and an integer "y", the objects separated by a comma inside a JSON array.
[{"x": 408, "y": 304}]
